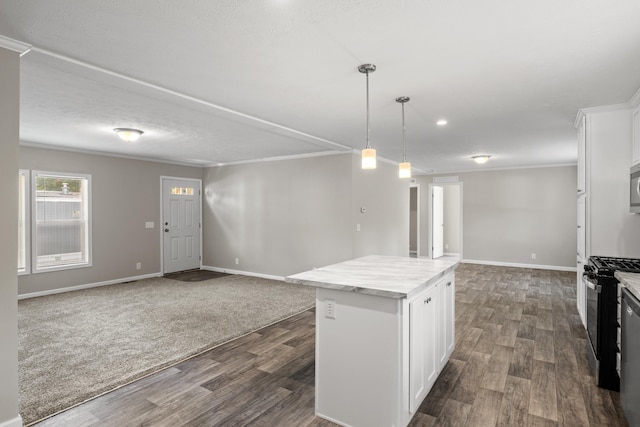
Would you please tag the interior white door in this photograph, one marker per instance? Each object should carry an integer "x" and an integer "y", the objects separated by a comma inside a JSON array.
[
  {"x": 437, "y": 222},
  {"x": 180, "y": 224}
]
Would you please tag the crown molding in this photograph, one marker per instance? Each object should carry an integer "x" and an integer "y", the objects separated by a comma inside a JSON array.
[{"x": 14, "y": 45}]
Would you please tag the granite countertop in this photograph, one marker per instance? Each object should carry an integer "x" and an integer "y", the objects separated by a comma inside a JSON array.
[
  {"x": 386, "y": 276},
  {"x": 630, "y": 281}
]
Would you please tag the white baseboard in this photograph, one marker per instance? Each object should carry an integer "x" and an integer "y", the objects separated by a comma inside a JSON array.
[
  {"x": 519, "y": 265},
  {"x": 244, "y": 273},
  {"x": 87, "y": 286},
  {"x": 14, "y": 422},
  {"x": 451, "y": 254}
]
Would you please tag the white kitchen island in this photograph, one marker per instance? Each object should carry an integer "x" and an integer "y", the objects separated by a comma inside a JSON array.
[{"x": 384, "y": 331}]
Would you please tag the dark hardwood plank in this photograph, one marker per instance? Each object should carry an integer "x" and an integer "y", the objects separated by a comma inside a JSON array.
[
  {"x": 495, "y": 376},
  {"x": 543, "y": 400},
  {"x": 522, "y": 360},
  {"x": 514, "y": 409},
  {"x": 485, "y": 409}
]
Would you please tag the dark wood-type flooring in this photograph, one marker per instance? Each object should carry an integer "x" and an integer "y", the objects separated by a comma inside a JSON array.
[{"x": 520, "y": 360}]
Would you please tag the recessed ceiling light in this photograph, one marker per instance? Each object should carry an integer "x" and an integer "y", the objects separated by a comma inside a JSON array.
[
  {"x": 128, "y": 134},
  {"x": 480, "y": 159},
  {"x": 441, "y": 122}
]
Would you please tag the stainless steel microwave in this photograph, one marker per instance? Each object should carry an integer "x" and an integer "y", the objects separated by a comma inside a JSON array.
[{"x": 634, "y": 200}]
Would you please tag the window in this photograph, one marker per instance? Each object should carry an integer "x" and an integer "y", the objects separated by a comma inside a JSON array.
[
  {"x": 23, "y": 222},
  {"x": 61, "y": 221}
]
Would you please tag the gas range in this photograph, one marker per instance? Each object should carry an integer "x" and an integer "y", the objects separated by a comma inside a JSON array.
[
  {"x": 607, "y": 266},
  {"x": 602, "y": 317}
]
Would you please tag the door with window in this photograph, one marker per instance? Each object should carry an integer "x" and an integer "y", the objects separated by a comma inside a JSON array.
[{"x": 181, "y": 227}]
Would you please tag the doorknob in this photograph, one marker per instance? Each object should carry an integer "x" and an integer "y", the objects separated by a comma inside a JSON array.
[{"x": 166, "y": 230}]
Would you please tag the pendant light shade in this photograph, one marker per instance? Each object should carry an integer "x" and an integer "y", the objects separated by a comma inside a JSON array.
[
  {"x": 404, "y": 171},
  {"x": 368, "y": 153},
  {"x": 368, "y": 158}
]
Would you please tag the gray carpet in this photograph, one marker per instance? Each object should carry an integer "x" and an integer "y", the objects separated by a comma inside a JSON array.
[
  {"x": 195, "y": 275},
  {"x": 77, "y": 345}
]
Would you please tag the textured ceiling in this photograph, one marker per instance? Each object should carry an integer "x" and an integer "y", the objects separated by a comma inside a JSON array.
[{"x": 229, "y": 81}]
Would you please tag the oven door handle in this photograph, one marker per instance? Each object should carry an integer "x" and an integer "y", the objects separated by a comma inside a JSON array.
[{"x": 591, "y": 285}]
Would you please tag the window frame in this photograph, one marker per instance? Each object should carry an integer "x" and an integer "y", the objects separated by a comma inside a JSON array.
[
  {"x": 26, "y": 217},
  {"x": 88, "y": 220}
]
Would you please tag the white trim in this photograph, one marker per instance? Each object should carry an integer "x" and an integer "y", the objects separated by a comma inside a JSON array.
[
  {"x": 88, "y": 285},
  {"x": 415, "y": 185},
  {"x": 13, "y": 422},
  {"x": 88, "y": 208},
  {"x": 111, "y": 73},
  {"x": 243, "y": 273},
  {"x": 451, "y": 254},
  {"x": 278, "y": 158},
  {"x": 162, "y": 178},
  {"x": 27, "y": 221},
  {"x": 15, "y": 46},
  {"x": 519, "y": 265},
  {"x": 103, "y": 153},
  {"x": 560, "y": 165}
]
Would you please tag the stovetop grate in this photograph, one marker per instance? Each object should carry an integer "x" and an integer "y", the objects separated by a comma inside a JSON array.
[{"x": 619, "y": 264}]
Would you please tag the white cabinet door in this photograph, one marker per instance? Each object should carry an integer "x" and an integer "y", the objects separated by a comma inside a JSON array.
[
  {"x": 423, "y": 369},
  {"x": 582, "y": 227},
  {"x": 582, "y": 156},
  {"x": 446, "y": 320},
  {"x": 449, "y": 317},
  {"x": 635, "y": 147}
]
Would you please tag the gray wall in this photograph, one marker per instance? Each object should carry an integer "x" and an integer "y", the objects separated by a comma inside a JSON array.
[
  {"x": 452, "y": 219},
  {"x": 9, "y": 134},
  {"x": 125, "y": 194},
  {"x": 384, "y": 227},
  {"x": 509, "y": 214},
  {"x": 287, "y": 216}
]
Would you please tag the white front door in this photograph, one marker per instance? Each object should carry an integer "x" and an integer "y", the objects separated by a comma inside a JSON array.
[
  {"x": 180, "y": 224},
  {"x": 438, "y": 222}
]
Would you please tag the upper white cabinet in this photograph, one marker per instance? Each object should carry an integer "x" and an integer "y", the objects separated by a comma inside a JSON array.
[
  {"x": 582, "y": 155},
  {"x": 604, "y": 147},
  {"x": 635, "y": 147}
]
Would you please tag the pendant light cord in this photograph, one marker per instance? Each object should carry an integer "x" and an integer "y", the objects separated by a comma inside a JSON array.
[
  {"x": 404, "y": 143},
  {"x": 368, "y": 141}
]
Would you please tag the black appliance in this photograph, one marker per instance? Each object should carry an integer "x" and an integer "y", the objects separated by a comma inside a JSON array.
[{"x": 602, "y": 310}]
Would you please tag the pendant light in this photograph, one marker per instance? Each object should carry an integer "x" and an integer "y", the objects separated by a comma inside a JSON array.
[
  {"x": 404, "y": 171},
  {"x": 368, "y": 153}
]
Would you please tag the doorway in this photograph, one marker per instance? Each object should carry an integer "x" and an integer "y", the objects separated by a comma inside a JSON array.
[
  {"x": 414, "y": 220},
  {"x": 445, "y": 222},
  {"x": 181, "y": 224}
]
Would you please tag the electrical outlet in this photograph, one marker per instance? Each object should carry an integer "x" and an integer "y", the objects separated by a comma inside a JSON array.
[
  {"x": 237, "y": 261},
  {"x": 357, "y": 227},
  {"x": 533, "y": 256},
  {"x": 138, "y": 265},
  {"x": 446, "y": 246},
  {"x": 330, "y": 309}
]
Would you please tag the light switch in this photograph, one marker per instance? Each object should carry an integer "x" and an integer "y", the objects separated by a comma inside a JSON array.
[{"x": 149, "y": 224}]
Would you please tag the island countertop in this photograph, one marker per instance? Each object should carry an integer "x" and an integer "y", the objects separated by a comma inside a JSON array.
[{"x": 385, "y": 276}]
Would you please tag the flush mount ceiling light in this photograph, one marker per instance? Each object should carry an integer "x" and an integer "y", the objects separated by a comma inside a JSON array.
[
  {"x": 480, "y": 159},
  {"x": 127, "y": 134},
  {"x": 404, "y": 171},
  {"x": 368, "y": 153},
  {"x": 441, "y": 122}
]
